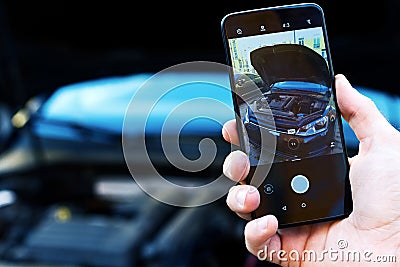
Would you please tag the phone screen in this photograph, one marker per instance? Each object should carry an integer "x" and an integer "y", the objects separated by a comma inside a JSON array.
[{"x": 288, "y": 119}]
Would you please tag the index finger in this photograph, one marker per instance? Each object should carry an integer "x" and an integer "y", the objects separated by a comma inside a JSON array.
[{"x": 229, "y": 132}]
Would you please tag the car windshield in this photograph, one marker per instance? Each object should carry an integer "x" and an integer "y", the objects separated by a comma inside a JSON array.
[{"x": 299, "y": 86}]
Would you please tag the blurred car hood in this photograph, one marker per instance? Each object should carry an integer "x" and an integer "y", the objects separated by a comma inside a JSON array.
[
  {"x": 84, "y": 122},
  {"x": 290, "y": 62},
  {"x": 102, "y": 104}
]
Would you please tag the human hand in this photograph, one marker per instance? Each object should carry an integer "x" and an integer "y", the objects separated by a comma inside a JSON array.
[{"x": 374, "y": 225}]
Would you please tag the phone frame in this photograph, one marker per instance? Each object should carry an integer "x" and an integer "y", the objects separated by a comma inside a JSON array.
[{"x": 348, "y": 203}]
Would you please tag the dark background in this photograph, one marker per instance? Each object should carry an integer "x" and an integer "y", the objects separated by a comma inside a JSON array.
[
  {"x": 48, "y": 44},
  {"x": 53, "y": 43}
]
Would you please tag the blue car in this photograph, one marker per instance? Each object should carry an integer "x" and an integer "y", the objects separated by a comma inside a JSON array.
[
  {"x": 301, "y": 113},
  {"x": 304, "y": 118}
]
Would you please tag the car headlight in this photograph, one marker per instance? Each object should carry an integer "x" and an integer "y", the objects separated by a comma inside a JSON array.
[{"x": 314, "y": 127}]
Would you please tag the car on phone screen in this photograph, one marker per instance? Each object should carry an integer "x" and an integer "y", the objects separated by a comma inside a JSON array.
[{"x": 303, "y": 110}]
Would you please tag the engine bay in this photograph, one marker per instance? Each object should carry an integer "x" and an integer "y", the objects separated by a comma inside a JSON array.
[{"x": 290, "y": 105}]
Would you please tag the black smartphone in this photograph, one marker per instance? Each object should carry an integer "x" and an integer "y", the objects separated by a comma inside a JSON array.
[{"x": 288, "y": 120}]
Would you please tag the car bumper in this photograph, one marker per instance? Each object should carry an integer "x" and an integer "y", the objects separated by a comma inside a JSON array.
[{"x": 290, "y": 146}]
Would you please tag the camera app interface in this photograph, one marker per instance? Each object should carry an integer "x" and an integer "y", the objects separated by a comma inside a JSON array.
[
  {"x": 283, "y": 86},
  {"x": 291, "y": 70}
]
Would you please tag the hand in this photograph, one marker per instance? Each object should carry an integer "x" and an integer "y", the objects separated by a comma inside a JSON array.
[{"x": 374, "y": 224}]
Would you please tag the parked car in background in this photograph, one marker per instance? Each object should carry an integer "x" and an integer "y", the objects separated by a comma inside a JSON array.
[{"x": 69, "y": 189}]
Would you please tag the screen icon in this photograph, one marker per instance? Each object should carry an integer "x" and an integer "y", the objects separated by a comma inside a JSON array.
[
  {"x": 268, "y": 189},
  {"x": 239, "y": 31}
]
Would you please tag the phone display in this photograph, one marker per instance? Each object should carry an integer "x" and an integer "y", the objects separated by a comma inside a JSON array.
[{"x": 288, "y": 120}]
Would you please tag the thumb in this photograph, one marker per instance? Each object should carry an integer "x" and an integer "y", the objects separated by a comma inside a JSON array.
[{"x": 359, "y": 111}]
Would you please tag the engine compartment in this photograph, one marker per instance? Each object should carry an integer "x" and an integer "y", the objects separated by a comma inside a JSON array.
[{"x": 290, "y": 105}]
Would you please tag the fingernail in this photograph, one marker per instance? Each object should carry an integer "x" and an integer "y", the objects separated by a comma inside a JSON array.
[
  {"x": 262, "y": 224},
  {"x": 225, "y": 134},
  {"x": 227, "y": 167},
  {"x": 244, "y": 161},
  {"x": 243, "y": 158},
  {"x": 252, "y": 190},
  {"x": 241, "y": 196}
]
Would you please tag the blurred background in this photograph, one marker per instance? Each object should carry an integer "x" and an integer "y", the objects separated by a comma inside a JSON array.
[{"x": 68, "y": 70}]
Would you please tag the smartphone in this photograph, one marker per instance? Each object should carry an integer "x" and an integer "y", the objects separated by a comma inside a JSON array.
[{"x": 288, "y": 120}]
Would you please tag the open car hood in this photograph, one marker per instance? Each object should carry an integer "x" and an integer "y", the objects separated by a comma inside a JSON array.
[{"x": 290, "y": 62}]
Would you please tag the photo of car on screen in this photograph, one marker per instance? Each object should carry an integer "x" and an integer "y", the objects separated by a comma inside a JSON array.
[{"x": 296, "y": 90}]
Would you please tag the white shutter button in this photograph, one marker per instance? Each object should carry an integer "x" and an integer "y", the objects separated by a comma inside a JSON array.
[{"x": 300, "y": 184}]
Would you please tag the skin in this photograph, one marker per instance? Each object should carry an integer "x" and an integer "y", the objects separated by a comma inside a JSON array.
[{"x": 374, "y": 224}]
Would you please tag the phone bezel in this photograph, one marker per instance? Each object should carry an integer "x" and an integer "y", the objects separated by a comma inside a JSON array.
[{"x": 348, "y": 203}]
